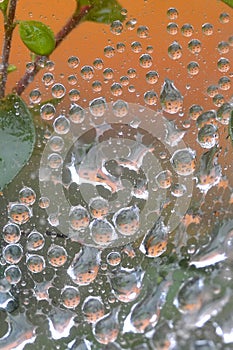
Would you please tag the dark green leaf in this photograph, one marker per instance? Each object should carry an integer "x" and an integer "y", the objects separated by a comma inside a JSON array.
[
  {"x": 3, "y": 6},
  {"x": 38, "y": 37},
  {"x": 228, "y": 2},
  {"x": 17, "y": 137},
  {"x": 103, "y": 11},
  {"x": 11, "y": 68},
  {"x": 231, "y": 128}
]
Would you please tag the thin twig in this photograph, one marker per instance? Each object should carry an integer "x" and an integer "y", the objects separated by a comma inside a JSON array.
[
  {"x": 8, "y": 29},
  {"x": 73, "y": 21}
]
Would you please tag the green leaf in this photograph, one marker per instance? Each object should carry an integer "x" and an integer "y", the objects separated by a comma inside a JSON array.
[
  {"x": 17, "y": 137},
  {"x": 103, "y": 11},
  {"x": 3, "y": 6},
  {"x": 11, "y": 68},
  {"x": 228, "y": 2},
  {"x": 38, "y": 37},
  {"x": 231, "y": 128}
]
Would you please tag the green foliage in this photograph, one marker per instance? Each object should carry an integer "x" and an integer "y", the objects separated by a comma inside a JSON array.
[
  {"x": 17, "y": 137},
  {"x": 3, "y": 6},
  {"x": 38, "y": 37},
  {"x": 103, "y": 11},
  {"x": 11, "y": 68},
  {"x": 228, "y": 2}
]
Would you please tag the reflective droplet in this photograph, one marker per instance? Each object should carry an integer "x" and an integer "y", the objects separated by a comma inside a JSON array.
[
  {"x": 55, "y": 161},
  {"x": 223, "y": 47},
  {"x": 145, "y": 61},
  {"x": 224, "y": 83},
  {"x": 98, "y": 63},
  {"x": 79, "y": 218},
  {"x": 164, "y": 179},
  {"x": 183, "y": 161},
  {"x": 195, "y": 111},
  {"x": 170, "y": 98},
  {"x": 87, "y": 72},
  {"x": 48, "y": 79},
  {"x": 109, "y": 51},
  {"x": 56, "y": 143},
  {"x": 207, "y": 136},
  {"x": 72, "y": 79},
  {"x": 61, "y": 125},
  {"x": 116, "y": 89},
  {"x": 194, "y": 46},
  {"x": 49, "y": 65},
  {"x": 11, "y": 233},
  {"x": 35, "y": 241},
  {"x": 106, "y": 329},
  {"x": 155, "y": 241},
  {"x": 35, "y": 263},
  {"x": 35, "y": 96},
  {"x": 98, "y": 207},
  {"x": 124, "y": 80},
  {"x": 58, "y": 90},
  {"x": 136, "y": 46},
  {"x": 126, "y": 220},
  {"x": 172, "y": 28},
  {"x": 193, "y": 68},
  {"x": 13, "y": 274},
  {"x": 19, "y": 213},
  {"x": 27, "y": 196},
  {"x": 130, "y": 25},
  {"x": 150, "y": 98},
  {"x": 102, "y": 232},
  {"x": 73, "y": 62},
  {"x": 208, "y": 117},
  {"x": 108, "y": 73},
  {"x": 175, "y": 51},
  {"x": 207, "y": 29},
  {"x": 93, "y": 309},
  {"x": 178, "y": 190},
  {"x": 56, "y": 255},
  {"x": 98, "y": 106},
  {"x": 44, "y": 202},
  {"x": 187, "y": 30},
  {"x": 224, "y": 17},
  {"x": 152, "y": 77},
  {"x": 74, "y": 95},
  {"x": 224, "y": 113},
  {"x": 120, "y": 108},
  {"x": 120, "y": 47},
  {"x": 85, "y": 266},
  {"x": 12, "y": 253},
  {"x": 96, "y": 86},
  {"x": 212, "y": 90},
  {"x": 218, "y": 100},
  {"x": 223, "y": 65},
  {"x": 47, "y": 111},
  {"x": 76, "y": 114},
  {"x": 30, "y": 66},
  {"x": 142, "y": 32},
  {"x": 116, "y": 27},
  {"x": 70, "y": 297},
  {"x": 132, "y": 73},
  {"x": 172, "y": 13},
  {"x": 114, "y": 258}
]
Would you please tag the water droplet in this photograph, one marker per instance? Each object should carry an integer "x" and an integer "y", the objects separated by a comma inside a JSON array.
[
  {"x": 132, "y": 73},
  {"x": 98, "y": 207},
  {"x": 87, "y": 72},
  {"x": 98, "y": 106},
  {"x": 48, "y": 79},
  {"x": 187, "y": 30},
  {"x": 142, "y": 32},
  {"x": 170, "y": 98},
  {"x": 193, "y": 68},
  {"x": 27, "y": 196},
  {"x": 56, "y": 143},
  {"x": 195, "y": 111},
  {"x": 194, "y": 46},
  {"x": 130, "y": 25},
  {"x": 57, "y": 255},
  {"x": 178, "y": 190},
  {"x": 114, "y": 258},
  {"x": 136, "y": 46},
  {"x": 35, "y": 96},
  {"x": 98, "y": 63},
  {"x": 183, "y": 161},
  {"x": 172, "y": 28},
  {"x": 19, "y": 213},
  {"x": 47, "y": 111},
  {"x": 55, "y": 161},
  {"x": 152, "y": 77},
  {"x": 70, "y": 297},
  {"x": 109, "y": 51},
  {"x": 79, "y": 218},
  {"x": 11, "y": 233},
  {"x": 155, "y": 241},
  {"x": 224, "y": 17},
  {"x": 116, "y": 27},
  {"x": 12, "y": 253},
  {"x": 175, "y": 51},
  {"x": 207, "y": 29},
  {"x": 150, "y": 98},
  {"x": 116, "y": 89},
  {"x": 223, "y": 65},
  {"x": 58, "y": 90},
  {"x": 44, "y": 202},
  {"x": 126, "y": 220},
  {"x": 73, "y": 62},
  {"x": 74, "y": 95},
  {"x": 96, "y": 86},
  {"x": 107, "y": 328},
  {"x": 223, "y": 47},
  {"x": 93, "y": 309},
  {"x": 164, "y": 179},
  {"x": 13, "y": 274},
  {"x": 208, "y": 117},
  {"x": 218, "y": 100},
  {"x": 207, "y": 136},
  {"x": 102, "y": 232},
  {"x": 61, "y": 125},
  {"x": 172, "y": 13},
  {"x": 35, "y": 241},
  {"x": 224, "y": 83},
  {"x": 76, "y": 114},
  {"x": 35, "y": 263},
  {"x": 108, "y": 73},
  {"x": 212, "y": 90},
  {"x": 224, "y": 113},
  {"x": 124, "y": 80},
  {"x": 145, "y": 61},
  {"x": 30, "y": 66},
  {"x": 72, "y": 79}
]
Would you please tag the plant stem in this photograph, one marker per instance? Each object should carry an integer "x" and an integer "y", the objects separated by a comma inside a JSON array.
[
  {"x": 8, "y": 31},
  {"x": 72, "y": 22}
]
